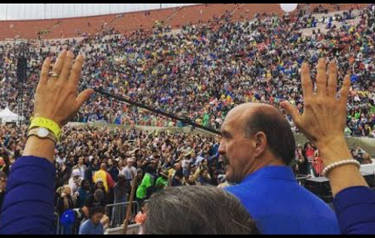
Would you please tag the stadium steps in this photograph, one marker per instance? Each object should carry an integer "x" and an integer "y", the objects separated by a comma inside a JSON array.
[
  {"x": 204, "y": 13},
  {"x": 69, "y": 27}
]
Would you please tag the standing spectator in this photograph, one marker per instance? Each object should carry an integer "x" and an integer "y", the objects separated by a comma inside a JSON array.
[
  {"x": 81, "y": 168},
  {"x": 75, "y": 181},
  {"x": 113, "y": 169},
  {"x": 93, "y": 167},
  {"x": 65, "y": 201},
  {"x": 318, "y": 164},
  {"x": 146, "y": 188},
  {"x": 130, "y": 172},
  {"x": 93, "y": 226},
  {"x": 94, "y": 200},
  {"x": 105, "y": 177},
  {"x": 83, "y": 193},
  {"x": 162, "y": 180},
  {"x": 120, "y": 191}
]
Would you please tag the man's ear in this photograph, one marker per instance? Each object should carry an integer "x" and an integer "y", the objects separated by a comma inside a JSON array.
[{"x": 260, "y": 140}]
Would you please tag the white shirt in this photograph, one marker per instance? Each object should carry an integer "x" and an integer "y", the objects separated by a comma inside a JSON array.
[{"x": 128, "y": 172}]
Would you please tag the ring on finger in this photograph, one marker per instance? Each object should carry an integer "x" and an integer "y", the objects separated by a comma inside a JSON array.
[{"x": 54, "y": 74}]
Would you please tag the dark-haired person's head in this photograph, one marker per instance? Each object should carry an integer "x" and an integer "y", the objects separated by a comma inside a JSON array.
[
  {"x": 85, "y": 184},
  {"x": 196, "y": 210},
  {"x": 96, "y": 214},
  {"x": 255, "y": 135},
  {"x": 99, "y": 195}
]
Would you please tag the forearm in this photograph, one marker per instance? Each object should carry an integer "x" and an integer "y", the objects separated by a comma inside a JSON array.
[
  {"x": 44, "y": 148},
  {"x": 343, "y": 176},
  {"x": 24, "y": 209}
]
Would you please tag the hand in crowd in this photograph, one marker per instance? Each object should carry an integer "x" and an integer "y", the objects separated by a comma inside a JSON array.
[
  {"x": 323, "y": 122},
  {"x": 56, "y": 95},
  {"x": 324, "y": 114}
]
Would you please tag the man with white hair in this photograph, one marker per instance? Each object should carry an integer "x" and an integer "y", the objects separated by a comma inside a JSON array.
[
  {"x": 130, "y": 171},
  {"x": 80, "y": 167},
  {"x": 75, "y": 181}
]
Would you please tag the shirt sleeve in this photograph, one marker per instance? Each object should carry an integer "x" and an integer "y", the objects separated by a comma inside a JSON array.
[
  {"x": 29, "y": 202},
  {"x": 355, "y": 210},
  {"x": 110, "y": 181},
  {"x": 83, "y": 229}
]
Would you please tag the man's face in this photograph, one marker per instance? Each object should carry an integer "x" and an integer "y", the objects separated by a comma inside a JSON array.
[
  {"x": 80, "y": 161},
  {"x": 236, "y": 149},
  {"x": 96, "y": 218}
]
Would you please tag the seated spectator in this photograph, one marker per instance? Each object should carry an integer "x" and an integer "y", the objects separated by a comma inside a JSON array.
[
  {"x": 93, "y": 226},
  {"x": 196, "y": 210}
]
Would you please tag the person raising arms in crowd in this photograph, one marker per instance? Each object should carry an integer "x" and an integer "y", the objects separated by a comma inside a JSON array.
[
  {"x": 323, "y": 122},
  {"x": 258, "y": 145},
  {"x": 57, "y": 100}
]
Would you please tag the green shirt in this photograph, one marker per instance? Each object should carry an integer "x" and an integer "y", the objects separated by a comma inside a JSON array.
[
  {"x": 142, "y": 188},
  {"x": 160, "y": 183},
  {"x": 357, "y": 115}
]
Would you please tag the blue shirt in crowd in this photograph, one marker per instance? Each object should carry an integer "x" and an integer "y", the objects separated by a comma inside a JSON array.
[
  {"x": 89, "y": 228},
  {"x": 279, "y": 205}
]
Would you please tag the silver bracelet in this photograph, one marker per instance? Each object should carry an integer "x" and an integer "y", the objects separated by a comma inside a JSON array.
[{"x": 340, "y": 163}]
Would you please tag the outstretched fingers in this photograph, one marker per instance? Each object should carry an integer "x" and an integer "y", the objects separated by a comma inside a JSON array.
[
  {"x": 332, "y": 80},
  {"x": 292, "y": 111},
  {"x": 75, "y": 73},
  {"x": 83, "y": 97},
  {"x": 321, "y": 78},
  {"x": 66, "y": 67},
  {"x": 45, "y": 71},
  {"x": 307, "y": 86},
  {"x": 345, "y": 90}
]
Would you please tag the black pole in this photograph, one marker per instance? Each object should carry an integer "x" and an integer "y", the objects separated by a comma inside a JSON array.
[
  {"x": 157, "y": 111},
  {"x": 21, "y": 77}
]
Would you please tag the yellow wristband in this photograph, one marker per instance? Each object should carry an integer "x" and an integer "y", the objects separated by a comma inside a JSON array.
[{"x": 46, "y": 123}]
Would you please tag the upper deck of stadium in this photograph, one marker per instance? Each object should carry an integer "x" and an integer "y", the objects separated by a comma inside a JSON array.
[{"x": 130, "y": 21}]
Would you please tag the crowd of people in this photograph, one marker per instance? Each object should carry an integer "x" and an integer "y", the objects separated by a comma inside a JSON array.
[
  {"x": 166, "y": 158},
  {"x": 204, "y": 70},
  {"x": 201, "y": 74}
]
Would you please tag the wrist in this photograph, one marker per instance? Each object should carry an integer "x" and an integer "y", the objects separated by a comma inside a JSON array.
[
  {"x": 333, "y": 150},
  {"x": 44, "y": 148},
  {"x": 49, "y": 124}
]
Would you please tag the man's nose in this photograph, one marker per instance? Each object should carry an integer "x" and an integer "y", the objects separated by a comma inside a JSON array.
[{"x": 222, "y": 148}]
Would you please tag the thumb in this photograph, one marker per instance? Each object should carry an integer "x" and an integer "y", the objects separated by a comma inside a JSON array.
[
  {"x": 291, "y": 110},
  {"x": 83, "y": 97}
]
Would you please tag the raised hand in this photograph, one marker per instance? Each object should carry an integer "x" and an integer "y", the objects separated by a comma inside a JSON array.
[
  {"x": 56, "y": 95},
  {"x": 324, "y": 114}
]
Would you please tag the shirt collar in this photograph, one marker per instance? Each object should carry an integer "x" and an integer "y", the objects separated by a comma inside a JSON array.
[{"x": 271, "y": 172}]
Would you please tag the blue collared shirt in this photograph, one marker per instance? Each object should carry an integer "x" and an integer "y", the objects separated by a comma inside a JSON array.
[
  {"x": 279, "y": 205},
  {"x": 88, "y": 228}
]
